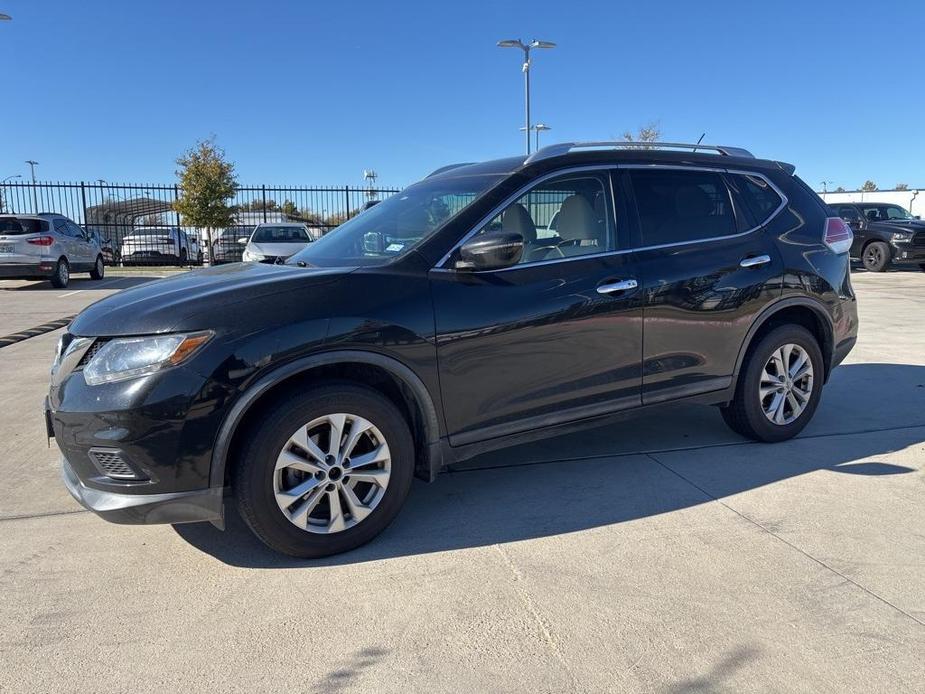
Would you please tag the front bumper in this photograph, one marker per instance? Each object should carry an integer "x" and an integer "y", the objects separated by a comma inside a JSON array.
[
  {"x": 907, "y": 253},
  {"x": 138, "y": 509}
]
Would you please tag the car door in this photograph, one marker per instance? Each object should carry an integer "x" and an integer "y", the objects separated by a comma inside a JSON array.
[
  {"x": 706, "y": 269},
  {"x": 84, "y": 250},
  {"x": 852, "y": 217},
  {"x": 65, "y": 241},
  {"x": 556, "y": 337}
]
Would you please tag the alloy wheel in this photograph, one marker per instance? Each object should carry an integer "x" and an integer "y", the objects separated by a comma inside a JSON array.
[
  {"x": 332, "y": 473},
  {"x": 786, "y": 384},
  {"x": 873, "y": 255},
  {"x": 64, "y": 274}
]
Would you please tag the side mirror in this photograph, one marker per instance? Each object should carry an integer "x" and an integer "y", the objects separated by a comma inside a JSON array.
[
  {"x": 491, "y": 251},
  {"x": 243, "y": 241},
  {"x": 917, "y": 216}
]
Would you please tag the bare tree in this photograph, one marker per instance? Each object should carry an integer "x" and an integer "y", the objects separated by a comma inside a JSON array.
[
  {"x": 840, "y": 190},
  {"x": 902, "y": 186},
  {"x": 869, "y": 186},
  {"x": 650, "y": 132}
]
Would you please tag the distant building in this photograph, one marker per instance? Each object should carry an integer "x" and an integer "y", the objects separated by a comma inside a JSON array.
[{"x": 912, "y": 199}]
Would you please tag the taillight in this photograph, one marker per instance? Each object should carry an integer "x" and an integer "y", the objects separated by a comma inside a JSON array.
[
  {"x": 41, "y": 241},
  {"x": 838, "y": 235}
]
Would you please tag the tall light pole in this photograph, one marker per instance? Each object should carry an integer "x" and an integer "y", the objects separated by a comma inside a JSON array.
[
  {"x": 526, "y": 48},
  {"x": 35, "y": 199},
  {"x": 538, "y": 128}
]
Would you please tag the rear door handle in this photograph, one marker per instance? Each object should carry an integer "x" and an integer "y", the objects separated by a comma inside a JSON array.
[
  {"x": 620, "y": 286},
  {"x": 755, "y": 261}
]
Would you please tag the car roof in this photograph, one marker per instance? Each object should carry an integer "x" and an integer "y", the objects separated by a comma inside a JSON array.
[
  {"x": 281, "y": 224},
  {"x": 583, "y": 154}
]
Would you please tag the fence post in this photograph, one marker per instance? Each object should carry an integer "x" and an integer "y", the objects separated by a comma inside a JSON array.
[
  {"x": 264, "y": 193},
  {"x": 83, "y": 199},
  {"x": 347, "y": 197}
]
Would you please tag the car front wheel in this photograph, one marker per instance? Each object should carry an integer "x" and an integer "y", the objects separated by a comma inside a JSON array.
[
  {"x": 324, "y": 471},
  {"x": 876, "y": 256},
  {"x": 779, "y": 386},
  {"x": 99, "y": 269}
]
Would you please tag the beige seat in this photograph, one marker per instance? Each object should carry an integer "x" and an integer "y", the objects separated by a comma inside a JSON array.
[
  {"x": 579, "y": 227},
  {"x": 517, "y": 220}
]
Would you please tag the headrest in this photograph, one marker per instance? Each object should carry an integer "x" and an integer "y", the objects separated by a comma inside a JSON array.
[
  {"x": 577, "y": 220},
  {"x": 517, "y": 220}
]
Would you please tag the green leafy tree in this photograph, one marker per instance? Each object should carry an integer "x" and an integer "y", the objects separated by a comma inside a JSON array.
[
  {"x": 869, "y": 186},
  {"x": 207, "y": 184},
  {"x": 902, "y": 186},
  {"x": 289, "y": 209}
]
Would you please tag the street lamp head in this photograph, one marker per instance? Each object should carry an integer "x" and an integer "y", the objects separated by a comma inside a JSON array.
[
  {"x": 511, "y": 43},
  {"x": 542, "y": 44},
  {"x": 541, "y": 127}
]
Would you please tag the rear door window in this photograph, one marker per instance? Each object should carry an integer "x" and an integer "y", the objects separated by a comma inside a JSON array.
[
  {"x": 61, "y": 227},
  {"x": 676, "y": 206},
  {"x": 848, "y": 212}
]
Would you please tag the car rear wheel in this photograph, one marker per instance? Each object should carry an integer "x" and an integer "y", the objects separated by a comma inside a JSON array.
[
  {"x": 779, "y": 386},
  {"x": 99, "y": 269},
  {"x": 876, "y": 256},
  {"x": 325, "y": 470},
  {"x": 62, "y": 274}
]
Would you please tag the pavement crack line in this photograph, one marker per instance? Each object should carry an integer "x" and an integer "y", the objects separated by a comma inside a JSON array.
[
  {"x": 528, "y": 603},
  {"x": 770, "y": 532},
  {"x": 50, "y": 514}
]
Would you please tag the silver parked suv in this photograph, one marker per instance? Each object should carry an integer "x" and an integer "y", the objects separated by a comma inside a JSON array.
[{"x": 37, "y": 246}]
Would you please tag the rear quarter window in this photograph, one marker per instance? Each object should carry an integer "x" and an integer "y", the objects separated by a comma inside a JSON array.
[{"x": 760, "y": 198}]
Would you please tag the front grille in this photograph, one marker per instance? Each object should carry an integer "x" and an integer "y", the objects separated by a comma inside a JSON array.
[
  {"x": 111, "y": 464},
  {"x": 90, "y": 353},
  {"x": 919, "y": 238}
]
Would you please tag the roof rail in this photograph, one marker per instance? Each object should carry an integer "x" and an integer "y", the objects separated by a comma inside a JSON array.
[
  {"x": 566, "y": 147},
  {"x": 449, "y": 167}
]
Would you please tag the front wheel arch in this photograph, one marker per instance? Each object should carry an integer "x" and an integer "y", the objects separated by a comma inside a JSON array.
[{"x": 332, "y": 366}]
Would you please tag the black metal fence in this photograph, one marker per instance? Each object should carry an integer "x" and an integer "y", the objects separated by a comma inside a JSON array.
[{"x": 138, "y": 224}]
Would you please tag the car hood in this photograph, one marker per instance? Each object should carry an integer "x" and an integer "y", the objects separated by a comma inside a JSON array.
[
  {"x": 899, "y": 225},
  {"x": 278, "y": 249},
  {"x": 196, "y": 300}
]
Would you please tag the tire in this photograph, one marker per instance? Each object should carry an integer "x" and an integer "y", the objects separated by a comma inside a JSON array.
[
  {"x": 199, "y": 258},
  {"x": 183, "y": 257},
  {"x": 255, "y": 480},
  {"x": 746, "y": 414},
  {"x": 922, "y": 267},
  {"x": 876, "y": 256},
  {"x": 99, "y": 269},
  {"x": 62, "y": 274}
]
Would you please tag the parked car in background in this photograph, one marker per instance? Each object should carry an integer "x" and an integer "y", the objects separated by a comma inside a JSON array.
[
  {"x": 110, "y": 253},
  {"x": 884, "y": 234},
  {"x": 159, "y": 246},
  {"x": 228, "y": 244},
  {"x": 438, "y": 325},
  {"x": 47, "y": 246},
  {"x": 276, "y": 242}
]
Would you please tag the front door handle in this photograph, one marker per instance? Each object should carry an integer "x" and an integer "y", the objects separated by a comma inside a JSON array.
[
  {"x": 620, "y": 286},
  {"x": 755, "y": 261}
]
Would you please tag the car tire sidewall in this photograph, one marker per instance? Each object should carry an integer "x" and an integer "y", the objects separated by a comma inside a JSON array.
[
  {"x": 767, "y": 430},
  {"x": 99, "y": 268},
  {"x": 253, "y": 478},
  {"x": 885, "y": 257},
  {"x": 57, "y": 280}
]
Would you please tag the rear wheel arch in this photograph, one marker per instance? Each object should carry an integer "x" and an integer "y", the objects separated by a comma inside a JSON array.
[
  {"x": 397, "y": 382},
  {"x": 803, "y": 311}
]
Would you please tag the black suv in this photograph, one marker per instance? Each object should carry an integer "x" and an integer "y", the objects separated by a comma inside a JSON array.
[
  {"x": 883, "y": 234},
  {"x": 485, "y": 305}
]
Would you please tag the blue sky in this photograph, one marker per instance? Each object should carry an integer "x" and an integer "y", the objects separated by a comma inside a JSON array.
[{"x": 314, "y": 92}]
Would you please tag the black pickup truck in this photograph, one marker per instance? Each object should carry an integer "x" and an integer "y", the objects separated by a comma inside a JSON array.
[{"x": 883, "y": 234}]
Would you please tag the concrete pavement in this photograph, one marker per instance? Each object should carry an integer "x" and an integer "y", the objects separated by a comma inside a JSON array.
[{"x": 663, "y": 553}]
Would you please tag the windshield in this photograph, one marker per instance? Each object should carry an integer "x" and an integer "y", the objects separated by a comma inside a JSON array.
[
  {"x": 280, "y": 234},
  {"x": 396, "y": 225},
  {"x": 880, "y": 213}
]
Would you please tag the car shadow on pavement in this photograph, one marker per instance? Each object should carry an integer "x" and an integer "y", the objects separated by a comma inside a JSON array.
[
  {"x": 108, "y": 283},
  {"x": 478, "y": 507}
]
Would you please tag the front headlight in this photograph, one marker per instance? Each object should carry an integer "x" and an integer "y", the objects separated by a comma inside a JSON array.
[
  {"x": 901, "y": 236},
  {"x": 250, "y": 256},
  {"x": 130, "y": 357}
]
